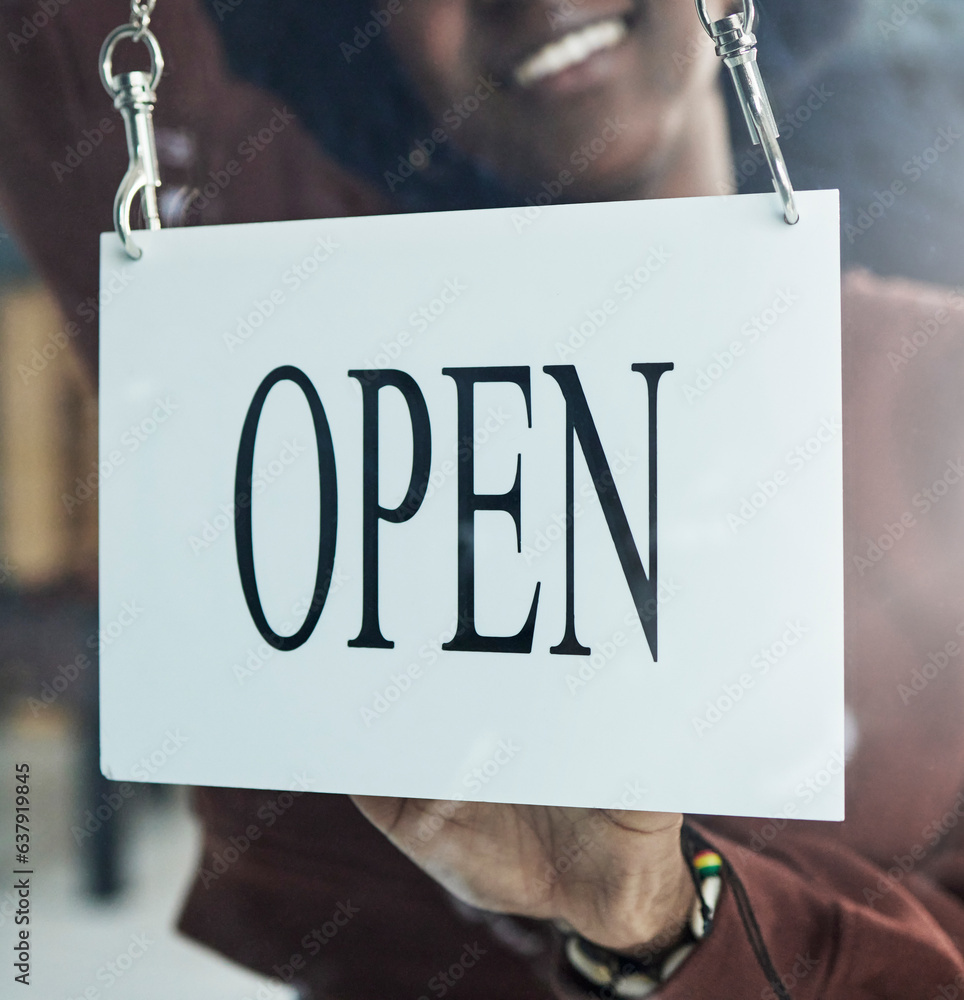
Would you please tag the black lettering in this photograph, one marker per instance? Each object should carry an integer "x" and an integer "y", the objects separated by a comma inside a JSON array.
[
  {"x": 579, "y": 422},
  {"x": 370, "y": 635},
  {"x": 328, "y": 508},
  {"x": 466, "y": 637}
]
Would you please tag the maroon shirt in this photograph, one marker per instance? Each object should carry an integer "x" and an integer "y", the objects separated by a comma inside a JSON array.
[{"x": 302, "y": 887}]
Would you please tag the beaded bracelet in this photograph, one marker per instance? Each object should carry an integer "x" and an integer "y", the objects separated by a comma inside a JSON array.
[{"x": 630, "y": 979}]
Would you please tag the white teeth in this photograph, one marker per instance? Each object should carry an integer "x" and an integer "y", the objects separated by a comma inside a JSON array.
[{"x": 570, "y": 50}]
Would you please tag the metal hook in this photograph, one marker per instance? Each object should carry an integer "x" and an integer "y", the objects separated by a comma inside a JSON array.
[
  {"x": 134, "y": 96},
  {"x": 736, "y": 45}
]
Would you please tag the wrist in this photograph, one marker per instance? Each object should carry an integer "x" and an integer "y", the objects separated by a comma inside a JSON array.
[
  {"x": 644, "y": 898},
  {"x": 640, "y": 971},
  {"x": 671, "y": 910},
  {"x": 659, "y": 922}
]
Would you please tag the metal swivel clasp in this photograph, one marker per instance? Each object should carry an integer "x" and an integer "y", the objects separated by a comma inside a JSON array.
[
  {"x": 736, "y": 46},
  {"x": 134, "y": 97}
]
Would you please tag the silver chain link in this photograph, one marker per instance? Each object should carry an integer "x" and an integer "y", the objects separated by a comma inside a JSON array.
[{"x": 141, "y": 17}]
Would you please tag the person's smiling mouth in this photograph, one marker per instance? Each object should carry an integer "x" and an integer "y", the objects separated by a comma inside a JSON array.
[{"x": 568, "y": 58}]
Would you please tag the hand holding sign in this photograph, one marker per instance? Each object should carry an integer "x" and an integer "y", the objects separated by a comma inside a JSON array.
[{"x": 616, "y": 876}]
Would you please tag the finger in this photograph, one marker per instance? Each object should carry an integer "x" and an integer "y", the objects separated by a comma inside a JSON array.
[
  {"x": 644, "y": 822},
  {"x": 381, "y": 811}
]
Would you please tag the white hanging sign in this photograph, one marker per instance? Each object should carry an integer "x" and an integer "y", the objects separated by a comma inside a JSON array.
[{"x": 537, "y": 506}]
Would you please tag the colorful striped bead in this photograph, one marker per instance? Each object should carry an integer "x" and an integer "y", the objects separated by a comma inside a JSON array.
[{"x": 708, "y": 863}]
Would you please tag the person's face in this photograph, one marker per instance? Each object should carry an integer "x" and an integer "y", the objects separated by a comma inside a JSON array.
[{"x": 608, "y": 91}]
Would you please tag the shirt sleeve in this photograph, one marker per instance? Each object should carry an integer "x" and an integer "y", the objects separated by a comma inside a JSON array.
[{"x": 834, "y": 924}]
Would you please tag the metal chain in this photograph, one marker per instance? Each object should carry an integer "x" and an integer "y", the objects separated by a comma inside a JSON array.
[{"x": 141, "y": 17}]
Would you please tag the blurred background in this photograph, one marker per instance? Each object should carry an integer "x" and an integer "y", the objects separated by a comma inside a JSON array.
[{"x": 113, "y": 863}]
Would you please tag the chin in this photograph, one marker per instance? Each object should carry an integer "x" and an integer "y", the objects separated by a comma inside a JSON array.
[{"x": 620, "y": 157}]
